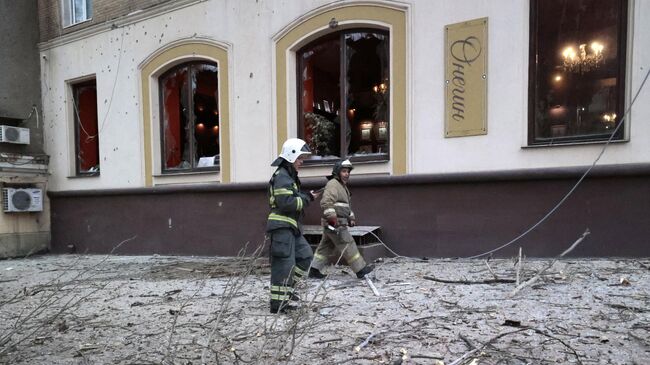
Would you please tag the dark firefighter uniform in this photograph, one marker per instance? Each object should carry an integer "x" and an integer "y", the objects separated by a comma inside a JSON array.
[{"x": 290, "y": 252}]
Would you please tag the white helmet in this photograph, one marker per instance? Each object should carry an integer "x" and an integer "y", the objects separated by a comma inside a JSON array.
[
  {"x": 338, "y": 166},
  {"x": 291, "y": 150}
]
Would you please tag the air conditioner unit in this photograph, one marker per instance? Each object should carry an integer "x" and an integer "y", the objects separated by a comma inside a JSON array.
[
  {"x": 22, "y": 200},
  {"x": 9, "y": 134}
]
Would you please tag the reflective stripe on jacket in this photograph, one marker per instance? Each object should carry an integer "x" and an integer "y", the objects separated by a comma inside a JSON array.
[{"x": 286, "y": 201}]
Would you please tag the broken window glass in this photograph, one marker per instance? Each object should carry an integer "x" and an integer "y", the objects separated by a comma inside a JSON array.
[
  {"x": 190, "y": 117},
  {"x": 345, "y": 116},
  {"x": 86, "y": 131}
]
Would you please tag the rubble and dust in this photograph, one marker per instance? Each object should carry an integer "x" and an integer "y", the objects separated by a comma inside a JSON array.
[{"x": 88, "y": 309}]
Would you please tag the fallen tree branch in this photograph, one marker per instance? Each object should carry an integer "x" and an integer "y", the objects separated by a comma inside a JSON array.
[
  {"x": 473, "y": 350},
  {"x": 39, "y": 317},
  {"x": 232, "y": 287},
  {"x": 490, "y": 269},
  {"x": 542, "y": 271},
  {"x": 296, "y": 339},
  {"x": 372, "y": 286},
  {"x": 366, "y": 341},
  {"x": 627, "y": 307},
  {"x": 328, "y": 340},
  {"x": 519, "y": 264},
  {"x": 493, "y": 339},
  {"x": 468, "y": 282}
]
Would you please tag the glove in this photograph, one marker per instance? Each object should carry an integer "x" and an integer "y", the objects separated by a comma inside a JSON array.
[
  {"x": 314, "y": 194},
  {"x": 352, "y": 222},
  {"x": 332, "y": 221}
]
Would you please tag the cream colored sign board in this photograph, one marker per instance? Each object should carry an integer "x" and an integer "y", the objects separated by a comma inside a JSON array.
[{"x": 466, "y": 78}]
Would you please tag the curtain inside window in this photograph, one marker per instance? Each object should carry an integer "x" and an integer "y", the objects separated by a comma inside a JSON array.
[
  {"x": 176, "y": 149},
  {"x": 88, "y": 143}
]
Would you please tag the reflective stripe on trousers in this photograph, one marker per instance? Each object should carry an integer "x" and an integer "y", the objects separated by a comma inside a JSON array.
[
  {"x": 279, "y": 292},
  {"x": 283, "y": 218}
]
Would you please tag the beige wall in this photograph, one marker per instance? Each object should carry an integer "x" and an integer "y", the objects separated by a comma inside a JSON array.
[
  {"x": 24, "y": 233},
  {"x": 253, "y": 32},
  {"x": 51, "y": 20}
]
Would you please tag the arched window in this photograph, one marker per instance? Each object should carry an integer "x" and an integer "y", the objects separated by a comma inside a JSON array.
[
  {"x": 343, "y": 95},
  {"x": 189, "y": 117}
]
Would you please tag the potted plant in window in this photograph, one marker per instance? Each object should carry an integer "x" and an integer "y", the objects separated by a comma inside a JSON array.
[{"x": 322, "y": 133}]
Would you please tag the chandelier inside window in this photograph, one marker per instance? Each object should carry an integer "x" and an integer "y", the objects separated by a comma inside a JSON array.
[{"x": 583, "y": 61}]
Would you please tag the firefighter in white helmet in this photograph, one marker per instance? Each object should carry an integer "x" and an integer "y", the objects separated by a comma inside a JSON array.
[
  {"x": 337, "y": 216},
  {"x": 291, "y": 255}
]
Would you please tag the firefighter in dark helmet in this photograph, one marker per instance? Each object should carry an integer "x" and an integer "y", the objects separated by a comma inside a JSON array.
[
  {"x": 290, "y": 252},
  {"x": 337, "y": 216}
]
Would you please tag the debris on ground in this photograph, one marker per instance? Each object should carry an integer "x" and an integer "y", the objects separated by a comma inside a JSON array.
[{"x": 190, "y": 310}]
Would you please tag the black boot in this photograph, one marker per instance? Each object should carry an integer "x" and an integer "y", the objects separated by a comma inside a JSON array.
[
  {"x": 316, "y": 274},
  {"x": 365, "y": 271},
  {"x": 279, "y": 306}
]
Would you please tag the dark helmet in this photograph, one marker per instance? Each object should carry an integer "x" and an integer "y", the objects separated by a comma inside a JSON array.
[{"x": 338, "y": 166}]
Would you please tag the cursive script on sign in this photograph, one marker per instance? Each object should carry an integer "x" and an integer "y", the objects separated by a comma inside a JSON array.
[{"x": 464, "y": 52}]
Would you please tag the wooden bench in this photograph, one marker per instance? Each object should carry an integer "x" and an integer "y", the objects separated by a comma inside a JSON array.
[{"x": 364, "y": 236}]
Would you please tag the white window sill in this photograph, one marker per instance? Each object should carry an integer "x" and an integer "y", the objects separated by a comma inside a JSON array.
[
  {"x": 193, "y": 177},
  {"x": 83, "y": 176},
  {"x": 569, "y": 144},
  {"x": 360, "y": 168},
  {"x": 77, "y": 23}
]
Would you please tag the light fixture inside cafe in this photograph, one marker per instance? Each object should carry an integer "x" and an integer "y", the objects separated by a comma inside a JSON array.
[
  {"x": 609, "y": 117},
  {"x": 381, "y": 88},
  {"x": 583, "y": 60}
]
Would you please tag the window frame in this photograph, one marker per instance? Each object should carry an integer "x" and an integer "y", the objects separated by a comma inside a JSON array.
[
  {"x": 77, "y": 123},
  {"x": 217, "y": 163},
  {"x": 68, "y": 12},
  {"x": 621, "y": 75},
  {"x": 384, "y": 157}
]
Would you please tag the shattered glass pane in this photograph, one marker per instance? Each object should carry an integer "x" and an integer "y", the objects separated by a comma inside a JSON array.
[
  {"x": 190, "y": 116},
  {"x": 206, "y": 112},
  {"x": 367, "y": 77},
  {"x": 85, "y": 108},
  {"x": 320, "y": 99},
  {"x": 176, "y": 139},
  {"x": 351, "y": 119}
]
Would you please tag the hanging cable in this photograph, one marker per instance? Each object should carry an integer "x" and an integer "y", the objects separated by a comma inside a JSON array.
[
  {"x": 584, "y": 175},
  {"x": 557, "y": 206},
  {"x": 117, "y": 72},
  {"x": 37, "y": 117},
  {"x": 110, "y": 100}
]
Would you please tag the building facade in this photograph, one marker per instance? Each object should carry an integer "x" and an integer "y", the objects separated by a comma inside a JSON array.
[
  {"x": 25, "y": 218},
  {"x": 467, "y": 121}
]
